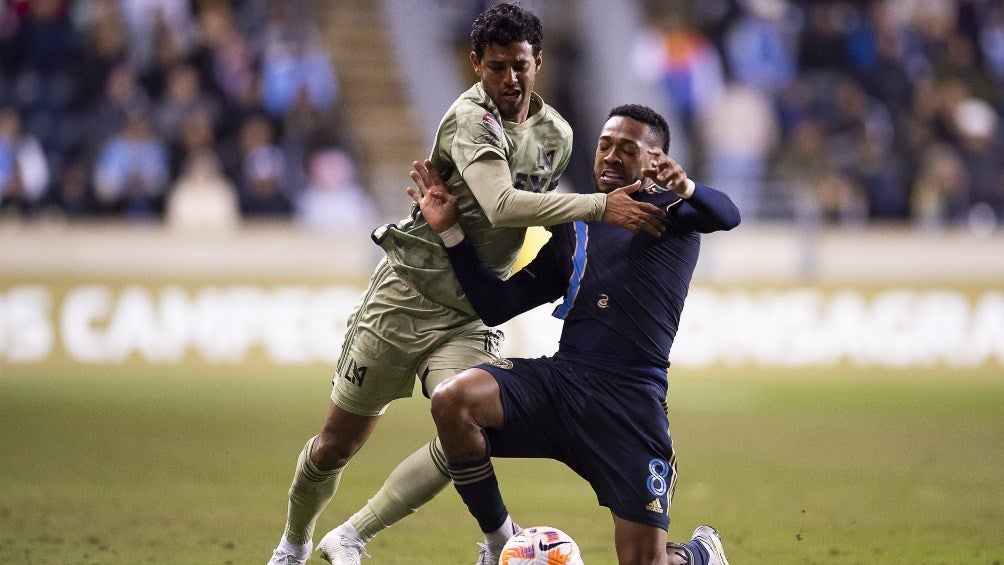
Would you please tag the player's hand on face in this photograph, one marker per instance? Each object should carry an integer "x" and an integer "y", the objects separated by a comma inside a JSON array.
[
  {"x": 664, "y": 171},
  {"x": 438, "y": 206},
  {"x": 628, "y": 213}
]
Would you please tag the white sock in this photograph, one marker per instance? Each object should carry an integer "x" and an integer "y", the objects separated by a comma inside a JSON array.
[
  {"x": 296, "y": 550},
  {"x": 349, "y": 531},
  {"x": 495, "y": 540}
]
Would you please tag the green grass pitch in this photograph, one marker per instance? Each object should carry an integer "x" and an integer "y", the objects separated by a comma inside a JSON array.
[{"x": 190, "y": 465}]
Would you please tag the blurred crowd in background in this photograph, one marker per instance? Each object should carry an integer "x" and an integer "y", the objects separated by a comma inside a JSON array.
[
  {"x": 210, "y": 110},
  {"x": 847, "y": 112}
]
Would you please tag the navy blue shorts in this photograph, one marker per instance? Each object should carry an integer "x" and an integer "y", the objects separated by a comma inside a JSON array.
[{"x": 611, "y": 429}]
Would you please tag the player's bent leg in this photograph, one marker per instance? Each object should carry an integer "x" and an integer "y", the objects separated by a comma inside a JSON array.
[
  {"x": 462, "y": 407},
  {"x": 342, "y": 436},
  {"x": 318, "y": 472},
  {"x": 415, "y": 481},
  {"x": 639, "y": 544}
]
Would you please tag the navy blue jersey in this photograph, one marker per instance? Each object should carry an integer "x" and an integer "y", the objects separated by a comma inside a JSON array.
[{"x": 622, "y": 293}]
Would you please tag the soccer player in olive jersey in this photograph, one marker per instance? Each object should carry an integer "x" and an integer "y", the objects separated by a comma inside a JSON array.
[
  {"x": 502, "y": 151},
  {"x": 601, "y": 396}
]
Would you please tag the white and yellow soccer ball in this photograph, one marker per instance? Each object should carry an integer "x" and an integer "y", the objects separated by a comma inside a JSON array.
[{"x": 541, "y": 545}]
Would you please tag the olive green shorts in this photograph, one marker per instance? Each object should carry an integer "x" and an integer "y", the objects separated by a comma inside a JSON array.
[{"x": 395, "y": 335}]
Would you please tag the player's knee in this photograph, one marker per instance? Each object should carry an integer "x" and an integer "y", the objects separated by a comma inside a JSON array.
[
  {"x": 331, "y": 451},
  {"x": 449, "y": 402}
]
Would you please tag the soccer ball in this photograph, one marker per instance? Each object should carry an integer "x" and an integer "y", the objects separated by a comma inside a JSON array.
[{"x": 540, "y": 545}]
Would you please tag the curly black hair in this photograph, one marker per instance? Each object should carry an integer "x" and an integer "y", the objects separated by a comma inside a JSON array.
[
  {"x": 648, "y": 116},
  {"x": 503, "y": 24}
]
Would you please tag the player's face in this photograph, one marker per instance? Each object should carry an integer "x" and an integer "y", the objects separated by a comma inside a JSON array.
[
  {"x": 622, "y": 152},
  {"x": 507, "y": 74}
]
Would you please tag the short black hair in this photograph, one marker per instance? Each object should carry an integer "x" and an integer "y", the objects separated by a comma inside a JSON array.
[
  {"x": 503, "y": 24},
  {"x": 647, "y": 116}
]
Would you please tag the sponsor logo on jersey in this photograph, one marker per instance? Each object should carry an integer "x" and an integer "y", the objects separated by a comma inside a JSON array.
[
  {"x": 604, "y": 301},
  {"x": 502, "y": 363},
  {"x": 492, "y": 125}
]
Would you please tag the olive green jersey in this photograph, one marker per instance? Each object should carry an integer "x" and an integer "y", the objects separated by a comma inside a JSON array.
[{"x": 536, "y": 150}]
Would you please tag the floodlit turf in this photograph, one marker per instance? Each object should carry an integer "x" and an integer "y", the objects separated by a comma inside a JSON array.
[{"x": 190, "y": 465}]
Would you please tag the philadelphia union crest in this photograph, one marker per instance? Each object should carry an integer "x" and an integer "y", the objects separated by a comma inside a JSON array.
[{"x": 502, "y": 363}]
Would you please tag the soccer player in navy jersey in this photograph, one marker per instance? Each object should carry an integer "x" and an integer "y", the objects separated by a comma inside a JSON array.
[{"x": 602, "y": 395}]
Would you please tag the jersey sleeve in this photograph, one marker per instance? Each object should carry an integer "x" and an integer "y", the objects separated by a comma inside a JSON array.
[
  {"x": 478, "y": 135},
  {"x": 496, "y": 300},
  {"x": 707, "y": 210},
  {"x": 506, "y": 206}
]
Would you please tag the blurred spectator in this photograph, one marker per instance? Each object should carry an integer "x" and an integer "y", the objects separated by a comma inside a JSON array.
[
  {"x": 195, "y": 137},
  {"x": 823, "y": 43},
  {"x": 885, "y": 76},
  {"x": 40, "y": 58},
  {"x": 295, "y": 69},
  {"x": 131, "y": 171},
  {"x": 24, "y": 172},
  {"x": 203, "y": 201},
  {"x": 991, "y": 40},
  {"x": 738, "y": 132},
  {"x": 123, "y": 97},
  {"x": 154, "y": 23},
  {"x": 263, "y": 169},
  {"x": 684, "y": 62},
  {"x": 333, "y": 199},
  {"x": 982, "y": 156},
  {"x": 807, "y": 177},
  {"x": 758, "y": 47},
  {"x": 862, "y": 138},
  {"x": 74, "y": 197},
  {"x": 226, "y": 57},
  {"x": 104, "y": 48},
  {"x": 940, "y": 195},
  {"x": 183, "y": 98}
]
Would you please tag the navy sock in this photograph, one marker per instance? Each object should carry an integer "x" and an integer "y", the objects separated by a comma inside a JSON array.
[
  {"x": 693, "y": 552},
  {"x": 699, "y": 552},
  {"x": 478, "y": 487}
]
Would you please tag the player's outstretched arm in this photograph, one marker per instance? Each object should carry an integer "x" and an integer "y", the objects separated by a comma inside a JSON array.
[
  {"x": 703, "y": 209},
  {"x": 495, "y": 300},
  {"x": 706, "y": 210}
]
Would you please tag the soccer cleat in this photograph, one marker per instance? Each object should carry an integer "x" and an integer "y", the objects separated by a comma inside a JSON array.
[
  {"x": 282, "y": 557},
  {"x": 713, "y": 542},
  {"x": 340, "y": 547},
  {"x": 487, "y": 556}
]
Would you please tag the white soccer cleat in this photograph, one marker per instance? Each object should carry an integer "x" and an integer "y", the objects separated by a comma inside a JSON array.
[
  {"x": 341, "y": 546},
  {"x": 489, "y": 555},
  {"x": 282, "y": 557},
  {"x": 713, "y": 542}
]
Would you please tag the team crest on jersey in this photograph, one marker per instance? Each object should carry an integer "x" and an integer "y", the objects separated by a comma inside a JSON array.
[
  {"x": 502, "y": 363},
  {"x": 545, "y": 158},
  {"x": 653, "y": 188}
]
